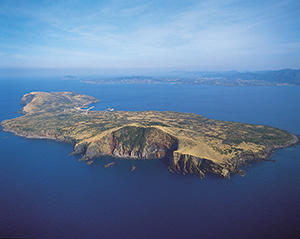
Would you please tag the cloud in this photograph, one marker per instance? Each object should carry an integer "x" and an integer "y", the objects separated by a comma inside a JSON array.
[{"x": 147, "y": 33}]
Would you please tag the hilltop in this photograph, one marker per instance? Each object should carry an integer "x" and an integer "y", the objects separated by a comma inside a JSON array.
[{"x": 186, "y": 142}]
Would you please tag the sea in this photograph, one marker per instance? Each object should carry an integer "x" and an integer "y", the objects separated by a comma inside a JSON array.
[{"x": 44, "y": 193}]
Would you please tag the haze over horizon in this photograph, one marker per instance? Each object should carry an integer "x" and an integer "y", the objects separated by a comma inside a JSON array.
[{"x": 160, "y": 35}]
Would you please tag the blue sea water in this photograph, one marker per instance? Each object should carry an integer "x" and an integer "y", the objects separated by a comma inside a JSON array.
[{"x": 44, "y": 193}]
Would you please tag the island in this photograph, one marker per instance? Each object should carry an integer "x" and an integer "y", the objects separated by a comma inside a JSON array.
[{"x": 184, "y": 142}]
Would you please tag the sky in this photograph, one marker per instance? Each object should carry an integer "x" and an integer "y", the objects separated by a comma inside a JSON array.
[{"x": 189, "y": 35}]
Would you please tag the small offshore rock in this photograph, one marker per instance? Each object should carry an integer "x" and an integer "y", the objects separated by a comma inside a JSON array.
[
  {"x": 225, "y": 173},
  {"x": 109, "y": 164},
  {"x": 89, "y": 162},
  {"x": 132, "y": 168},
  {"x": 240, "y": 172}
]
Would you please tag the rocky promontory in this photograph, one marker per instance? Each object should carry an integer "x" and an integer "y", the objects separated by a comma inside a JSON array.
[{"x": 186, "y": 143}]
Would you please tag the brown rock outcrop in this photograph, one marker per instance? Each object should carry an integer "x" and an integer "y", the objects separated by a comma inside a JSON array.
[{"x": 129, "y": 142}]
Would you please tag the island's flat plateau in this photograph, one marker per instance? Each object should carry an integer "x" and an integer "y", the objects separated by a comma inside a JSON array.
[{"x": 186, "y": 142}]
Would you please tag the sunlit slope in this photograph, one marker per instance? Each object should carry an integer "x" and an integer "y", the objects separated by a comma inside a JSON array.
[
  {"x": 192, "y": 143},
  {"x": 55, "y": 101}
]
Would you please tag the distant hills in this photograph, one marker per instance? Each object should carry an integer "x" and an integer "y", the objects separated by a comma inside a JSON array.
[
  {"x": 69, "y": 77},
  {"x": 228, "y": 78},
  {"x": 285, "y": 76}
]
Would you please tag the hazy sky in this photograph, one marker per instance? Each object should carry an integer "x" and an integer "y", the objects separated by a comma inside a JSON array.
[{"x": 178, "y": 34}]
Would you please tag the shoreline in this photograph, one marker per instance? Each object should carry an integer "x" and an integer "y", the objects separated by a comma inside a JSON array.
[
  {"x": 225, "y": 171},
  {"x": 295, "y": 141},
  {"x": 243, "y": 161},
  {"x": 23, "y": 135}
]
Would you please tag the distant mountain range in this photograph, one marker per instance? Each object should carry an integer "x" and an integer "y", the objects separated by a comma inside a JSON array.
[
  {"x": 285, "y": 76},
  {"x": 229, "y": 78}
]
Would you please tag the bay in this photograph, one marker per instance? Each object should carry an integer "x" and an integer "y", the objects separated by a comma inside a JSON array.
[{"x": 44, "y": 193}]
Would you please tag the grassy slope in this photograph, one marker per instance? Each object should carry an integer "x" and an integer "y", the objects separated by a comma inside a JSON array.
[{"x": 54, "y": 115}]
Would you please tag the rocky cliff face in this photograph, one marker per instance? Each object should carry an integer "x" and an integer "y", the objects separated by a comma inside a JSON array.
[
  {"x": 142, "y": 143},
  {"x": 185, "y": 163},
  {"x": 26, "y": 99},
  {"x": 186, "y": 143},
  {"x": 129, "y": 142},
  {"x": 190, "y": 164},
  {"x": 149, "y": 143}
]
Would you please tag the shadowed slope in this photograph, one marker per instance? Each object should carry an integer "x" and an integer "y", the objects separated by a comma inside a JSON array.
[{"x": 196, "y": 144}]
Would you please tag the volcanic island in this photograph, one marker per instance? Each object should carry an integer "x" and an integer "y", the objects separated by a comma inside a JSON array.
[{"x": 185, "y": 142}]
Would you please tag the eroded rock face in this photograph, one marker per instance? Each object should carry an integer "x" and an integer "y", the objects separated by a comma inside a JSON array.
[
  {"x": 190, "y": 164},
  {"x": 185, "y": 163},
  {"x": 130, "y": 142},
  {"x": 147, "y": 134},
  {"x": 150, "y": 143},
  {"x": 79, "y": 149},
  {"x": 139, "y": 142},
  {"x": 26, "y": 99}
]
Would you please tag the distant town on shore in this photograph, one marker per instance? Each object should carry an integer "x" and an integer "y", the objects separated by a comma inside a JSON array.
[{"x": 228, "y": 78}]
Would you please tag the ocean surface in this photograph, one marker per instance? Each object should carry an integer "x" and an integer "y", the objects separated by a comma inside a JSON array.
[{"x": 44, "y": 193}]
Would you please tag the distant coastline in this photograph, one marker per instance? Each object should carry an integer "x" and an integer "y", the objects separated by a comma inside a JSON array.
[{"x": 283, "y": 77}]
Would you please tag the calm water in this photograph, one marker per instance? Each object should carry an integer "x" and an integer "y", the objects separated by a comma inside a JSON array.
[{"x": 44, "y": 193}]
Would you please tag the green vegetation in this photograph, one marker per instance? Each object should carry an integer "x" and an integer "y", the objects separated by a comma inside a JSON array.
[
  {"x": 225, "y": 145},
  {"x": 132, "y": 137}
]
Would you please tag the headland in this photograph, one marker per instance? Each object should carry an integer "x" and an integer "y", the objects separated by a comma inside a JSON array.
[{"x": 185, "y": 142}]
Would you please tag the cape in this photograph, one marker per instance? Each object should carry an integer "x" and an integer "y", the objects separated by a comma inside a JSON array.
[{"x": 185, "y": 142}]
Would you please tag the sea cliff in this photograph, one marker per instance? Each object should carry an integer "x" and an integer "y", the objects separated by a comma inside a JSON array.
[{"x": 186, "y": 143}]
